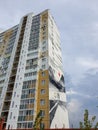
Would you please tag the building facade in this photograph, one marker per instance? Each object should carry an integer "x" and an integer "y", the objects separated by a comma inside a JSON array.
[{"x": 31, "y": 74}]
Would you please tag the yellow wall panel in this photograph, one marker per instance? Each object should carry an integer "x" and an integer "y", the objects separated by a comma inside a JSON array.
[{"x": 43, "y": 96}]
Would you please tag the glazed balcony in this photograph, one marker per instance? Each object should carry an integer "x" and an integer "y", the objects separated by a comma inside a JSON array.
[
  {"x": 10, "y": 89},
  {"x": 6, "y": 108},
  {"x": 8, "y": 98}
]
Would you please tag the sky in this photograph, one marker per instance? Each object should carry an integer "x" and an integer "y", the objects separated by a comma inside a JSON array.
[{"x": 77, "y": 21}]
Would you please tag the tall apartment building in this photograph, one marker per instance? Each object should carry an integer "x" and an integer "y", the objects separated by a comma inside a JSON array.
[{"x": 31, "y": 75}]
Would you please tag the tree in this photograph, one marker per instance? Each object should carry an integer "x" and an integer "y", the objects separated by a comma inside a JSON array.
[
  {"x": 87, "y": 124},
  {"x": 38, "y": 122}
]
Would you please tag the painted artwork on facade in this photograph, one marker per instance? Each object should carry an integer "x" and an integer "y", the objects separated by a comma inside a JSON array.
[{"x": 57, "y": 99}]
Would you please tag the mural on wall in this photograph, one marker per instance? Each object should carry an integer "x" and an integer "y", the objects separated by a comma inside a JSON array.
[
  {"x": 57, "y": 97},
  {"x": 58, "y": 84}
]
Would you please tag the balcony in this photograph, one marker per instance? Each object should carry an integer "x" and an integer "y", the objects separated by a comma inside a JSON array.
[
  {"x": 11, "y": 83},
  {"x": 10, "y": 89},
  {"x": 9, "y": 92},
  {"x": 15, "y": 64},
  {"x": 18, "y": 54},
  {"x": 12, "y": 79},
  {"x": 5, "y": 115},
  {"x": 20, "y": 39},
  {"x": 18, "y": 51},
  {"x": 19, "y": 47},
  {"x": 29, "y": 106},
  {"x": 14, "y": 72},
  {"x": 6, "y": 108},
  {"x": 16, "y": 59},
  {"x": 14, "y": 68},
  {"x": 8, "y": 98}
]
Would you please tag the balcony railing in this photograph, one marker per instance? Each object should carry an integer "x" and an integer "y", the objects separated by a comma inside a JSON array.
[
  {"x": 8, "y": 98},
  {"x": 6, "y": 108},
  {"x": 10, "y": 89}
]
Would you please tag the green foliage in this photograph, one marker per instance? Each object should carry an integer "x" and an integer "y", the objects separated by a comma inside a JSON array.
[
  {"x": 38, "y": 121},
  {"x": 87, "y": 124}
]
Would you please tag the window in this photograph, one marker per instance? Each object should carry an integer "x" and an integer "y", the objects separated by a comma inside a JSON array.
[
  {"x": 30, "y": 74},
  {"x": 34, "y": 73},
  {"x": 12, "y": 104},
  {"x": 43, "y": 59},
  {"x": 19, "y": 70},
  {"x": 17, "y": 76},
  {"x": 43, "y": 66},
  {"x": 14, "y": 94},
  {"x": 30, "y": 125},
  {"x": 8, "y": 127},
  {"x": 16, "y": 85},
  {"x": 10, "y": 115},
  {"x": 42, "y": 102},
  {"x": 24, "y": 125},
  {"x": 42, "y": 113},
  {"x": 44, "y": 48},
  {"x": 42, "y": 125},
  {"x": 19, "y": 125},
  {"x": 44, "y": 42},
  {"x": 14, "y": 117},
  {"x": 43, "y": 73},
  {"x": 43, "y": 82},
  {"x": 43, "y": 91}
]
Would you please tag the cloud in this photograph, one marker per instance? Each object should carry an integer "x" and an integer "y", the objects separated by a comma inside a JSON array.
[
  {"x": 75, "y": 113},
  {"x": 83, "y": 96},
  {"x": 87, "y": 62},
  {"x": 76, "y": 93},
  {"x": 74, "y": 106},
  {"x": 71, "y": 92}
]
